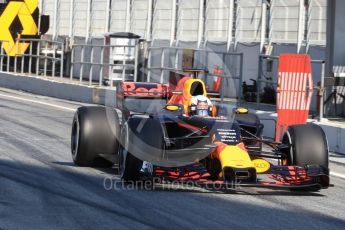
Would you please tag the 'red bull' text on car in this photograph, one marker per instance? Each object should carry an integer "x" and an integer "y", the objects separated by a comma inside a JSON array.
[{"x": 188, "y": 138}]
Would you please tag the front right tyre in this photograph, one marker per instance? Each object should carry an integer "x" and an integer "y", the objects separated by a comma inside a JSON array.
[{"x": 307, "y": 146}]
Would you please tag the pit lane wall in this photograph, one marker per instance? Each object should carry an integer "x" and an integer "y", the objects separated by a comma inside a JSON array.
[
  {"x": 105, "y": 96},
  {"x": 335, "y": 132},
  {"x": 59, "y": 89}
]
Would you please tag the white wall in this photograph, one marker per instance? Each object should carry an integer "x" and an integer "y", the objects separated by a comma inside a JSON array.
[
  {"x": 217, "y": 20},
  {"x": 139, "y": 17},
  {"x": 188, "y": 20},
  {"x": 317, "y": 22},
  {"x": 248, "y": 22},
  {"x": 80, "y": 17},
  {"x": 284, "y": 21},
  {"x": 48, "y": 9},
  {"x": 118, "y": 15},
  {"x": 98, "y": 18},
  {"x": 214, "y": 23},
  {"x": 64, "y": 17},
  {"x": 162, "y": 19}
]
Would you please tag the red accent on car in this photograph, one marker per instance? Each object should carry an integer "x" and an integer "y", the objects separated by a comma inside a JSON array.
[{"x": 188, "y": 126}]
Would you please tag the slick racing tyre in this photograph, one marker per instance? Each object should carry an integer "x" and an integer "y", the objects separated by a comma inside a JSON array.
[
  {"x": 129, "y": 165},
  {"x": 308, "y": 146},
  {"x": 95, "y": 132}
]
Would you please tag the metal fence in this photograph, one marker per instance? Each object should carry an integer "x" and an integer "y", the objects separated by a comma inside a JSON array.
[
  {"x": 93, "y": 64},
  {"x": 87, "y": 62},
  {"x": 3, "y": 56},
  {"x": 202, "y": 56},
  {"x": 42, "y": 58}
]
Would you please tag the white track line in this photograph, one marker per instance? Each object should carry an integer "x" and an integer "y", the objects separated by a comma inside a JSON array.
[
  {"x": 38, "y": 102},
  {"x": 339, "y": 175}
]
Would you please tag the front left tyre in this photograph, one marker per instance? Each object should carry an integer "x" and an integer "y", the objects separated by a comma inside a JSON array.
[{"x": 94, "y": 138}]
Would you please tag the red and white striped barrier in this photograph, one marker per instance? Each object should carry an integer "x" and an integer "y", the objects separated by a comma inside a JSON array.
[{"x": 294, "y": 92}]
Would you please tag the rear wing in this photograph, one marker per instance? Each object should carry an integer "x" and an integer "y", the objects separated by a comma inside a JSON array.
[{"x": 141, "y": 97}]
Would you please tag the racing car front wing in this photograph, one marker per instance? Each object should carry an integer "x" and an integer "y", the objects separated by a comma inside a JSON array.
[{"x": 278, "y": 177}]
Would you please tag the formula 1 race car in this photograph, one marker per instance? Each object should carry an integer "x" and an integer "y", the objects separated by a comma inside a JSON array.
[{"x": 175, "y": 132}]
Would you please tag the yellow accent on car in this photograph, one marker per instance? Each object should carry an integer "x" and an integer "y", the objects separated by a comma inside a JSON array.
[
  {"x": 172, "y": 108},
  {"x": 235, "y": 157},
  {"x": 187, "y": 91},
  {"x": 242, "y": 110},
  {"x": 261, "y": 165}
]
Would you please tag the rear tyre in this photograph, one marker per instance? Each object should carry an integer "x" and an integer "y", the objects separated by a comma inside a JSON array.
[
  {"x": 308, "y": 146},
  {"x": 95, "y": 132},
  {"x": 129, "y": 165}
]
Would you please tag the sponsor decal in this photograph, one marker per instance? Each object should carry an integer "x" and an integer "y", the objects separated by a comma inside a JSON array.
[
  {"x": 143, "y": 90},
  {"x": 261, "y": 165},
  {"x": 227, "y": 136}
]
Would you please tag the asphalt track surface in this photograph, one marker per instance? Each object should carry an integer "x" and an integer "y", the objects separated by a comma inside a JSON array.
[{"x": 40, "y": 188}]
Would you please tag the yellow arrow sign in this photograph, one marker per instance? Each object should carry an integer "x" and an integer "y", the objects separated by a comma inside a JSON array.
[
  {"x": 23, "y": 11},
  {"x": 31, "y": 5}
]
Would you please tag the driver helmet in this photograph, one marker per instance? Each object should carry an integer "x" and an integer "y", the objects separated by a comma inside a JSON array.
[{"x": 201, "y": 106}]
